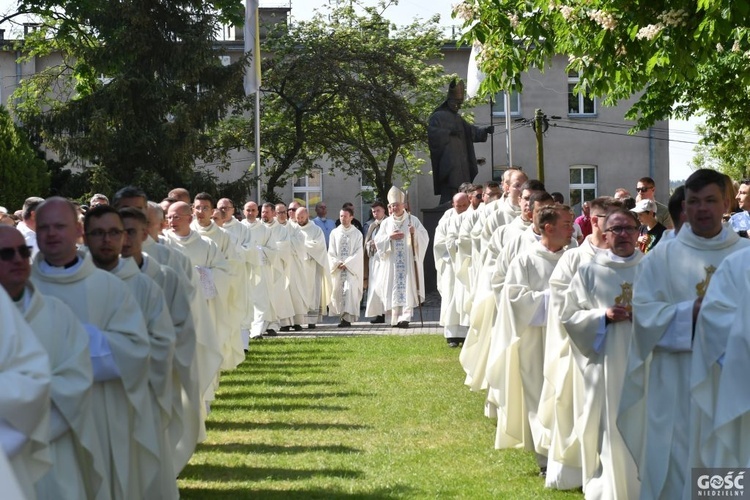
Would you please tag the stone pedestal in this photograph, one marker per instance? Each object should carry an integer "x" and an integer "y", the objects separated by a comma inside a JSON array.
[{"x": 430, "y": 219}]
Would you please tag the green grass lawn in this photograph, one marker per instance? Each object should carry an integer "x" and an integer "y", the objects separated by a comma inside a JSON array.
[{"x": 354, "y": 417}]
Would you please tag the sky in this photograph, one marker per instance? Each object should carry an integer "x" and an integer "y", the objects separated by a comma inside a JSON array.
[{"x": 682, "y": 134}]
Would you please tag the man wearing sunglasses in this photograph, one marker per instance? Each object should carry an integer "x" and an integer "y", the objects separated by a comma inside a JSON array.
[
  {"x": 118, "y": 344},
  {"x": 66, "y": 343},
  {"x": 646, "y": 188}
]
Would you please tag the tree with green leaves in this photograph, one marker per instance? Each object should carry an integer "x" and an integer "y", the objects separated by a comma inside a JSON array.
[
  {"x": 684, "y": 57},
  {"x": 347, "y": 87},
  {"x": 22, "y": 172},
  {"x": 138, "y": 88},
  {"x": 729, "y": 155}
]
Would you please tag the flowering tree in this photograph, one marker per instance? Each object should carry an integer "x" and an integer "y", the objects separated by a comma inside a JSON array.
[{"x": 686, "y": 52}]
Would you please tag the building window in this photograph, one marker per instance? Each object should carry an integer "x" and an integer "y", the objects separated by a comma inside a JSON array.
[
  {"x": 582, "y": 185},
  {"x": 498, "y": 105},
  {"x": 308, "y": 190},
  {"x": 578, "y": 104}
]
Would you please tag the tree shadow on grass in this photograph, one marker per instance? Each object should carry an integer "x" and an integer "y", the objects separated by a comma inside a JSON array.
[
  {"x": 307, "y": 494},
  {"x": 275, "y": 426},
  {"x": 272, "y": 365},
  {"x": 244, "y": 394},
  {"x": 278, "y": 382},
  {"x": 228, "y": 405},
  {"x": 207, "y": 472},
  {"x": 275, "y": 449}
]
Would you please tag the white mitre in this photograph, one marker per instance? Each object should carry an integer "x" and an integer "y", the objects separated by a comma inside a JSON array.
[{"x": 395, "y": 195}]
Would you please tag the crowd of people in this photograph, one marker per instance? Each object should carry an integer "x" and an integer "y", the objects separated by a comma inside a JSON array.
[
  {"x": 617, "y": 357},
  {"x": 118, "y": 318}
]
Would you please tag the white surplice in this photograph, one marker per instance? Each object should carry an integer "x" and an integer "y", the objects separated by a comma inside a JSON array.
[
  {"x": 317, "y": 271},
  {"x": 345, "y": 247}
]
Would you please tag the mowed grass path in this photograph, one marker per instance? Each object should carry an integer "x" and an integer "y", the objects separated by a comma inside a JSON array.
[{"x": 354, "y": 417}]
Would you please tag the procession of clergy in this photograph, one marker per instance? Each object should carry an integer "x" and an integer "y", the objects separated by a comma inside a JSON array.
[
  {"x": 115, "y": 328},
  {"x": 621, "y": 372}
]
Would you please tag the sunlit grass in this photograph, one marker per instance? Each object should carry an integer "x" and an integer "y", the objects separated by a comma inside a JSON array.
[{"x": 354, "y": 417}]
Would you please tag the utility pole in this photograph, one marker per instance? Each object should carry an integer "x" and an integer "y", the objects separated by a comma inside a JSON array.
[{"x": 539, "y": 123}]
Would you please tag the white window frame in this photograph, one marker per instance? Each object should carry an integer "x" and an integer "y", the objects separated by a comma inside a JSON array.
[
  {"x": 305, "y": 194},
  {"x": 582, "y": 186},
  {"x": 573, "y": 80},
  {"x": 498, "y": 105},
  {"x": 366, "y": 193}
]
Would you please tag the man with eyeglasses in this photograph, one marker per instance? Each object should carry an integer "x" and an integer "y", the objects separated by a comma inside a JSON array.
[
  {"x": 118, "y": 343},
  {"x": 186, "y": 418},
  {"x": 646, "y": 188},
  {"x": 232, "y": 309},
  {"x": 58, "y": 331},
  {"x": 562, "y": 393},
  {"x": 655, "y": 409},
  {"x": 740, "y": 221},
  {"x": 103, "y": 233},
  {"x": 597, "y": 314}
]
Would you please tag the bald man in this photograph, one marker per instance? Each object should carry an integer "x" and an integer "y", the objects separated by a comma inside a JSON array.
[
  {"x": 211, "y": 280},
  {"x": 445, "y": 249},
  {"x": 315, "y": 266},
  {"x": 258, "y": 273}
]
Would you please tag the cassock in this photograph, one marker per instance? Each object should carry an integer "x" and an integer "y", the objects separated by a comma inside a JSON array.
[
  {"x": 609, "y": 469},
  {"x": 24, "y": 398},
  {"x": 230, "y": 311},
  {"x": 345, "y": 247},
  {"x": 518, "y": 373},
  {"x": 317, "y": 271},
  {"x": 186, "y": 425},
  {"x": 400, "y": 281},
  {"x": 76, "y": 466},
  {"x": 120, "y": 348},
  {"x": 720, "y": 421},
  {"x": 655, "y": 405},
  {"x": 161, "y": 335}
]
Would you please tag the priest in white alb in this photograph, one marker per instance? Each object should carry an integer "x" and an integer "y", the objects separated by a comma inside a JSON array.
[
  {"x": 402, "y": 243},
  {"x": 315, "y": 266},
  {"x": 25, "y": 398},
  {"x": 103, "y": 235},
  {"x": 523, "y": 311},
  {"x": 118, "y": 344},
  {"x": 667, "y": 295},
  {"x": 346, "y": 261},
  {"x": 72, "y": 439},
  {"x": 597, "y": 314}
]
